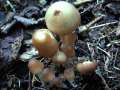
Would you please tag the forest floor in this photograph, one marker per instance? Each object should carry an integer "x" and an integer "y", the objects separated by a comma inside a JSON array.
[{"x": 101, "y": 43}]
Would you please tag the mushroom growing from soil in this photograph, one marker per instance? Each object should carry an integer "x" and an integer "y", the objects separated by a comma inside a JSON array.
[
  {"x": 48, "y": 75},
  {"x": 59, "y": 58},
  {"x": 62, "y": 18},
  {"x": 69, "y": 74},
  {"x": 86, "y": 67},
  {"x": 35, "y": 66},
  {"x": 45, "y": 42}
]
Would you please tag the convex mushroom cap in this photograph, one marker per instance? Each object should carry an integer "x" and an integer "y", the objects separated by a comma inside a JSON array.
[
  {"x": 62, "y": 18},
  {"x": 48, "y": 75},
  {"x": 86, "y": 67},
  {"x": 35, "y": 66},
  {"x": 59, "y": 58},
  {"x": 69, "y": 74},
  {"x": 45, "y": 42}
]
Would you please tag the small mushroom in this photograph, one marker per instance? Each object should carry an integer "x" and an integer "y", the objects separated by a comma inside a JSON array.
[
  {"x": 59, "y": 58},
  {"x": 48, "y": 75},
  {"x": 69, "y": 74},
  {"x": 45, "y": 42},
  {"x": 35, "y": 66},
  {"x": 86, "y": 67}
]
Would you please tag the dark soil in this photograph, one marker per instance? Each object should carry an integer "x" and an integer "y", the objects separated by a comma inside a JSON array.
[{"x": 20, "y": 18}]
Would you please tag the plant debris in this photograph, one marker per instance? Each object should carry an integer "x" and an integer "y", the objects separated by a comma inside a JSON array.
[{"x": 98, "y": 40}]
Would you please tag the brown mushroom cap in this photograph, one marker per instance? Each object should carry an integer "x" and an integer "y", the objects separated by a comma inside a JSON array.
[
  {"x": 69, "y": 74},
  {"x": 45, "y": 42},
  {"x": 86, "y": 67},
  {"x": 48, "y": 75},
  {"x": 35, "y": 66}
]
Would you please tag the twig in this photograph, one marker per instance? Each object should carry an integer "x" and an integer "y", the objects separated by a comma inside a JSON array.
[
  {"x": 91, "y": 51},
  {"x": 79, "y": 2},
  {"x": 86, "y": 27},
  {"x": 104, "y": 51},
  {"x": 104, "y": 82},
  {"x": 27, "y": 22},
  {"x": 101, "y": 25},
  {"x": 11, "y": 6},
  {"x": 115, "y": 60},
  {"x": 100, "y": 1},
  {"x": 106, "y": 65},
  {"x": 89, "y": 27}
]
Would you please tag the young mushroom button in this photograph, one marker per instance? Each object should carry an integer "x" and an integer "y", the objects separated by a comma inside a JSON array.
[{"x": 62, "y": 18}]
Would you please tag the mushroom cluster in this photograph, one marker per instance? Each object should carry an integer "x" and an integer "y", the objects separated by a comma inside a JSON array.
[{"x": 62, "y": 19}]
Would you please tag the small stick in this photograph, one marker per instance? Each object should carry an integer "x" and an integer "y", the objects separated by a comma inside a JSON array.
[
  {"x": 79, "y": 2},
  {"x": 11, "y": 6},
  {"x": 94, "y": 21},
  {"x": 104, "y": 51},
  {"x": 101, "y": 25},
  {"x": 89, "y": 27},
  {"x": 86, "y": 27}
]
